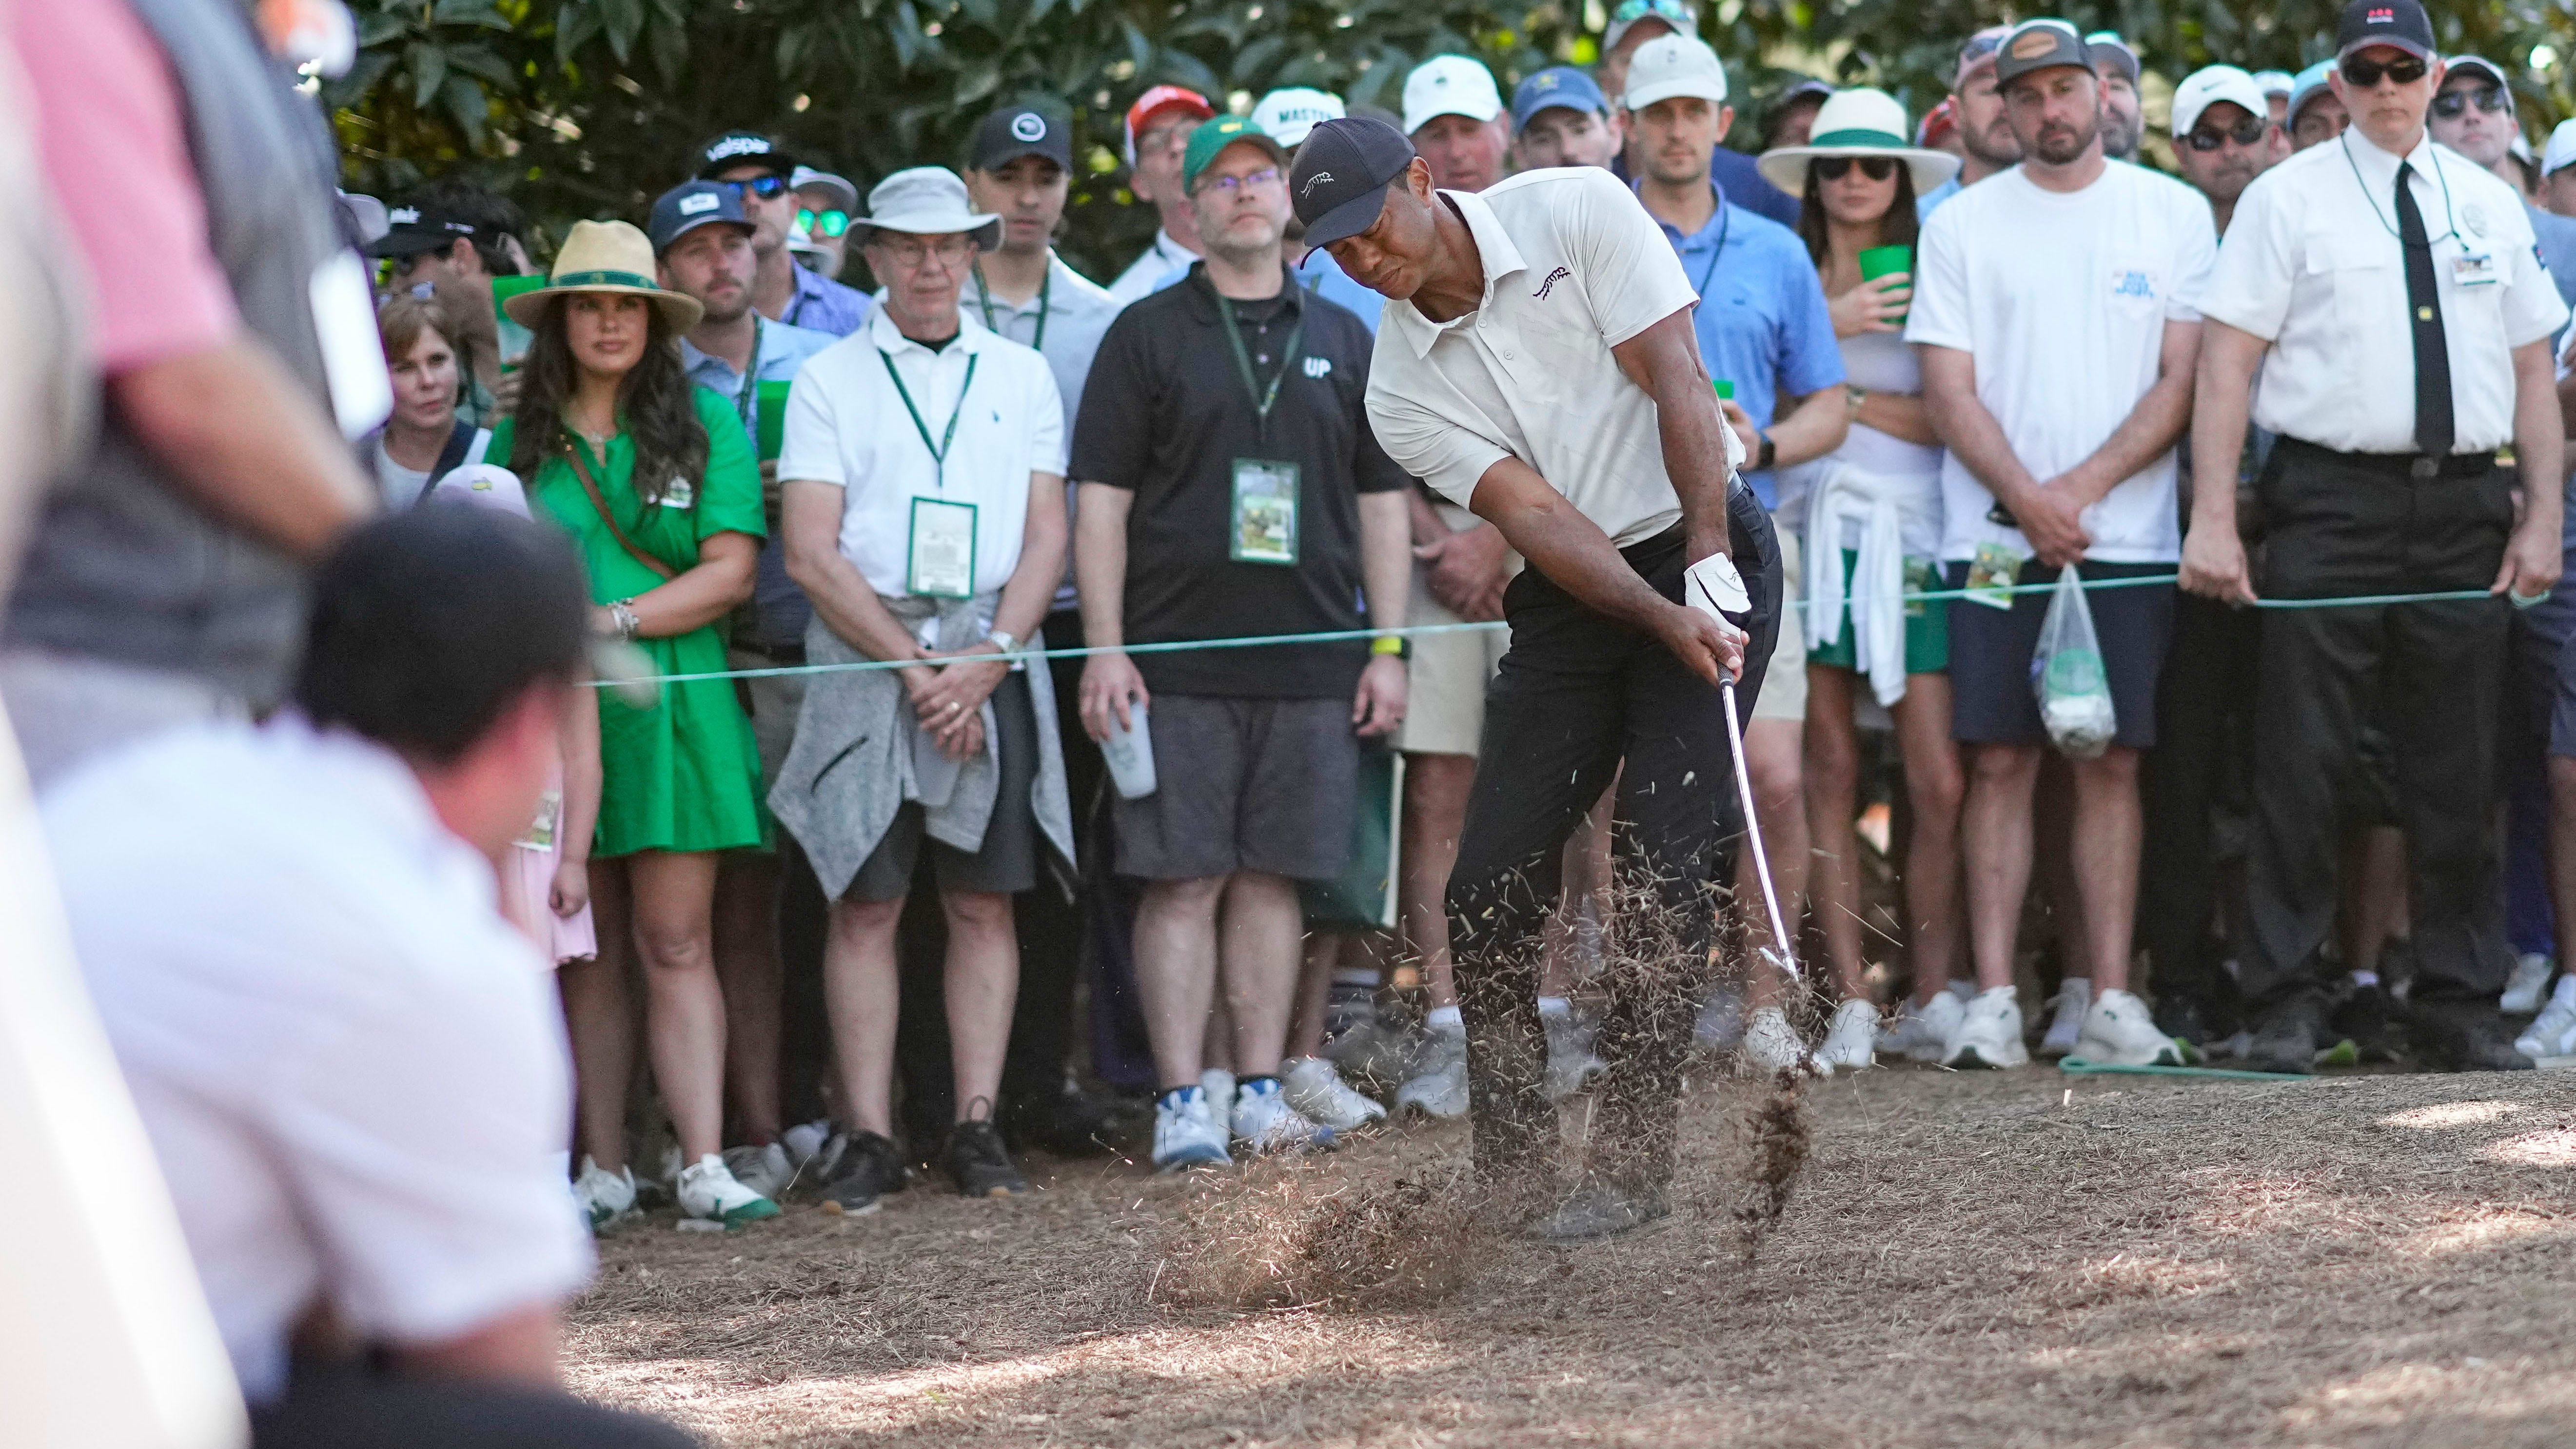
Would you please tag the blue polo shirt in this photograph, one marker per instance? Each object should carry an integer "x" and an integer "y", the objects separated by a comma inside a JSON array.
[
  {"x": 823, "y": 305},
  {"x": 1735, "y": 174},
  {"x": 1762, "y": 320}
]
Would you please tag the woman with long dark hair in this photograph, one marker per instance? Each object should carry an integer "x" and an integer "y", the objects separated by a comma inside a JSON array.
[
  {"x": 1872, "y": 526},
  {"x": 656, "y": 481}
]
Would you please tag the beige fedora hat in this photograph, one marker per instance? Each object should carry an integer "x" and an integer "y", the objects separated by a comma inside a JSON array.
[{"x": 605, "y": 256}]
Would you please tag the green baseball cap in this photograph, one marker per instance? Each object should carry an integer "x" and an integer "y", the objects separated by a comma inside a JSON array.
[{"x": 1214, "y": 136}]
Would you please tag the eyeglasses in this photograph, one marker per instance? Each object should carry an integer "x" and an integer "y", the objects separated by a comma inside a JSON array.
[
  {"x": 913, "y": 251},
  {"x": 1834, "y": 168},
  {"x": 829, "y": 223},
  {"x": 1673, "y": 11},
  {"x": 1266, "y": 177},
  {"x": 764, "y": 187},
  {"x": 2451, "y": 105},
  {"x": 2246, "y": 132},
  {"x": 2362, "y": 71}
]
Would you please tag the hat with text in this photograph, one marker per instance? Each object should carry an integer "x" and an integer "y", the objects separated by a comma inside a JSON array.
[
  {"x": 2275, "y": 82},
  {"x": 1011, "y": 132},
  {"x": 2039, "y": 45},
  {"x": 743, "y": 148},
  {"x": 1212, "y": 138},
  {"x": 2561, "y": 150},
  {"x": 1338, "y": 182},
  {"x": 2401, "y": 24},
  {"x": 412, "y": 228},
  {"x": 2208, "y": 86},
  {"x": 845, "y": 193},
  {"x": 1559, "y": 87},
  {"x": 1677, "y": 15},
  {"x": 1288, "y": 114},
  {"x": 1674, "y": 65},
  {"x": 690, "y": 205},
  {"x": 925, "y": 201},
  {"x": 1150, "y": 106},
  {"x": 1449, "y": 85}
]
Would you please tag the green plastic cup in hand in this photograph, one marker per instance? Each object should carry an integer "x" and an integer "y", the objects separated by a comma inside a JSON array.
[{"x": 1877, "y": 262}]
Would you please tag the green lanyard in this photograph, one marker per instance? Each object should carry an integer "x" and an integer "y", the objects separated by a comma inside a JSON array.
[
  {"x": 984, "y": 299},
  {"x": 742, "y": 398},
  {"x": 1262, "y": 400},
  {"x": 938, "y": 450}
]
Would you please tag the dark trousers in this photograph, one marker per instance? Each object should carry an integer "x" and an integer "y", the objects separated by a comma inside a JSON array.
[
  {"x": 350, "y": 1408},
  {"x": 1050, "y": 919},
  {"x": 1576, "y": 695},
  {"x": 2342, "y": 526},
  {"x": 2202, "y": 763}
]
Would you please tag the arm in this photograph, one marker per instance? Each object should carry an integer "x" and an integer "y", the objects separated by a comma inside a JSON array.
[
  {"x": 1815, "y": 426},
  {"x": 1664, "y": 360},
  {"x": 2213, "y": 556},
  {"x": 1899, "y": 415},
  {"x": 1973, "y": 437},
  {"x": 1386, "y": 570},
  {"x": 968, "y": 681},
  {"x": 811, "y": 514},
  {"x": 2151, "y": 427},
  {"x": 721, "y": 580},
  {"x": 516, "y": 1348},
  {"x": 1110, "y": 682},
  {"x": 2532, "y": 557},
  {"x": 246, "y": 444},
  {"x": 581, "y": 782}
]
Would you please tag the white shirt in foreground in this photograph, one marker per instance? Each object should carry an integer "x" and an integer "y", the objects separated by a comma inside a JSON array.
[
  {"x": 2312, "y": 265},
  {"x": 847, "y": 426},
  {"x": 351, "y": 1068},
  {"x": 2062, "y": 300},
  {"x": 1573, "y": 267}
]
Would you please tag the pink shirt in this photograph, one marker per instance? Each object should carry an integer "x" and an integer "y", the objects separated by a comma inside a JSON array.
[{"x": 109, "y": 138}]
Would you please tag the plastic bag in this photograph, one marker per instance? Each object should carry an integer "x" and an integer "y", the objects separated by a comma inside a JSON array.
[{"x": 2066, "y": 672}]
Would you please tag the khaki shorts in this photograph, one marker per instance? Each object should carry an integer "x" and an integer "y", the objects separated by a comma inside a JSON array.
[
  {"x": 1784, "y": 688},
  {"x": 1444, "y": 711}
]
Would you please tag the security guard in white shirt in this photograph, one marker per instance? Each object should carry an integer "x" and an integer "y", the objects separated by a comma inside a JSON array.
[{"x": 2388, "y": 291}]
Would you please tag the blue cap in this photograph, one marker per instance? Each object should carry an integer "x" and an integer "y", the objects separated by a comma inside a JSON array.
[
  {"x": 690, "y": 205},
  {"x": 1557, "y": 86},
  {"x": 2305, "y": 85}
]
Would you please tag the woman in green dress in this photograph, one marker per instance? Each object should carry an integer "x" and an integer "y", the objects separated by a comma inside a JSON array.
[{"x": 656, "y": 482}]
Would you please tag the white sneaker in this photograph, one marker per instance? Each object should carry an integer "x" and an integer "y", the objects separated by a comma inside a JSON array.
[
  {"x": 765, "y": 1168},
  {"x": 709, "y": 1193},
  {"x": 1438, "y": 1087},
  {"x": 1771, "y": 1045},
  {"x": 1571, "y": 1063},
  {"x": 2074, "y": 1001},
  {"x": 1964, "y": 988},
  {"x": 1314, "y": 1088},
  {"x": 606, "y": 1198},
  {"x": 2120, "y": 1031},
  {"x": 1988, "y": 1034},
  {"x": 1849, "y": 1039},
  {"x": 1218, "y": 1083},
  {"x": 1265, "y": 1123},
  {"x": 806, "y": 1140},
  {"x": 1187, "y": 1133},
  {"x": 2529, "y": 982},
  {"x": 1720, "y": 1027},
  {"x": 2554, "y": 1034},
  {"x": 1922, "y": 1033}
]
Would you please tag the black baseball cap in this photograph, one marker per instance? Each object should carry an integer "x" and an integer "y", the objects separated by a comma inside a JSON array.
[
  {"x": 1338, "y": 181},
  {"x": 2401, "y": 23},
  {"x": 743, "y": 148},
  {"x": 413, "y": 228},
  {"x": 690, "y": 205},
  {"x": 2038, "y": 45},
  {"x": 1011, "y": 132}
]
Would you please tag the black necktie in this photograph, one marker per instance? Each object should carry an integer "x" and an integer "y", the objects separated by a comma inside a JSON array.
[{"x": 2434, "y": 428}]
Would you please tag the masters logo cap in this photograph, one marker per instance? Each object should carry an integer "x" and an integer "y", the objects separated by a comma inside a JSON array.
[
  {"x": 1287, "y": 115},
  {"x": 2038, "y": 45},
  {"x": 1339, "y": 181},
  {"x": 1449, "y": 85},
  {"x": 2398, "y": 23}
]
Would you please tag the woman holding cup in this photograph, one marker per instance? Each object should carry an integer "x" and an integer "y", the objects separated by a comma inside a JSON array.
[{"x": 1872, "y": 526}]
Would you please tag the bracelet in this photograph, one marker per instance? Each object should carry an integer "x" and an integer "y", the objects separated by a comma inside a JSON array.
[
  {"x": 623, "y": 611},
  {"x": 1395, "y": 644}
]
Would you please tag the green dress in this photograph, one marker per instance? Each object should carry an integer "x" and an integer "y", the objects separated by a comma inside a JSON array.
[{"x": 684, "y": 776}]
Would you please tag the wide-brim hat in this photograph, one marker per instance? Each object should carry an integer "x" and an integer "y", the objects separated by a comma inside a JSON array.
[
  {"x": 605, "y": 256},
  {"x": 1858, "y": 122},
  {"x": 925, "y": 201}
]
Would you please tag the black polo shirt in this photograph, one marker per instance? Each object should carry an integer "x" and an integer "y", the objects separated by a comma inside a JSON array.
[{"x": 1165, "y": 414}]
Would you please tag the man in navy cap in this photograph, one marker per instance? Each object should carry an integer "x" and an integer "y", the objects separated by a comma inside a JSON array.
[{"x": 1559, "y": 118}]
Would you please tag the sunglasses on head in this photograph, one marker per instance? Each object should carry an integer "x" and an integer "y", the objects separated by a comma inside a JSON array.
[
  {"x": 764, "y": 187},
  {"x": 2362, "y": 71},
  {"x": 1834, "y": 168},
  {"x": 2244, "y": 133},
  {"x": 828, "y": 223},
  {"x": 2451, "y": 105}
]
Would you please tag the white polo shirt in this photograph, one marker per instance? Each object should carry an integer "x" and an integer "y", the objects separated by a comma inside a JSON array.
[
  {"x": 351, "y": 1068},
  {"x": 2312, "y": 265},
  {"x": 1573, "y": 267},
  {"x": 847, "y": 426}
]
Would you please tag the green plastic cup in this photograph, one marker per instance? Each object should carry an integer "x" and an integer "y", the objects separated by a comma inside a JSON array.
[
  {"x": 1725, "y": 388},
  {"x": 773, "y": 419},
  {"x": 1877, "y": 262}
]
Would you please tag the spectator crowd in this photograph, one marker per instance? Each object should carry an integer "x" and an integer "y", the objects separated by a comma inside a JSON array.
[{"x": 809, "y": 617}]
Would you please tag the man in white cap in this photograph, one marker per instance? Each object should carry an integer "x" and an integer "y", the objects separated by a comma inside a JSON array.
[
  {"x": 2223, "y": 135},
  {"x": 924, "y": 510},
  {"x": 2558, "y": 169},
  {"x": 1454, "y": 114},
  {"x": 1632, "y": 25},
  {"x": 2276, "y": 86}
]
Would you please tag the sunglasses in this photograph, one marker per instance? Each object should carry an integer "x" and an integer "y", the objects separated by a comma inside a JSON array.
[
  {"x": 2362, "y": 71},
  {"x": 1834, "y": 168},
  {"x": 2451, "y": 105},
  {"x": 828, "y": 223},
  {"x": 764, "y": 187},
  {"x": 2246, "y": 132}
]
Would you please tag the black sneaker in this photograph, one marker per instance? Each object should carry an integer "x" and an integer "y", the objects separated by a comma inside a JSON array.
[
  {"x": 2286, "y": 1035},
  {"x": 2463, "y": 1036},
  {"x": 868, "y": 1169},
  {"x": 2368, "y": 1019},
  {"x": 979, "y": 1164},
  {"x": 1066, "y": 1122}
]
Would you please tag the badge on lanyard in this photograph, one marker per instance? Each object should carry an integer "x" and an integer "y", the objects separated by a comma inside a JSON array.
[
  {"x": 942, "y": 551},
  {"x": 1991, "y": 575},
  {"x": 2475, "y": 266},
  {"x": 1265, "y": 512}
]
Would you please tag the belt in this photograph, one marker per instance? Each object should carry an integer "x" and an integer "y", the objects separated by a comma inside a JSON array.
[{"x": 2418, "y": 466}]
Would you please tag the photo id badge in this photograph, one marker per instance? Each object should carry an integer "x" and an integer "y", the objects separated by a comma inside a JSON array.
[
  {"x": 1991, "y": 575},
  {"x": 2476, "y": 267},
  {"x": 1265, "y": 512},
  {"x": 942, "y": 552}
]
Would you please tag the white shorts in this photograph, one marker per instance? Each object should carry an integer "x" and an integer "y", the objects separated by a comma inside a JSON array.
[{"x": 1784, "y": 686}]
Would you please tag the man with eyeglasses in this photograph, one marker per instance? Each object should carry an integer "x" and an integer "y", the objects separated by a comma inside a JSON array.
[
  {"x": 2115, "y": 65},
  {"x": 1158, "y": 128},
  {"x": 1986, "y": 141},
  {"x": 764, "y": 172},
  {"x": 2386, "y": 290},
  {"x": 821, "y": 234}
]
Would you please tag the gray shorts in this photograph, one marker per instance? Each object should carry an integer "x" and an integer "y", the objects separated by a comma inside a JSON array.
[
  {"x": 1243, "y": 784},
  {"x": 1007, "y": 864}
]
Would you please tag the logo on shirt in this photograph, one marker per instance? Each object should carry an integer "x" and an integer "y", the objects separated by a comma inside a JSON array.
[
  {"x": 2127, "y": 282},
  {"x": 1554, "y": 277},
  {"x": 1318, "y": 179},
  {"x": 1319, "y": 368},
  {"x": 1029, "y": 126}
]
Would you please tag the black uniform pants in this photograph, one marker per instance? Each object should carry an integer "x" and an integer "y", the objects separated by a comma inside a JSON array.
[
  {"x": 346, "y": 1407},
  {"x": 2340, "y": 525},
  {"x": 1577, "y": 694},
  {"x": 2202, "y": 763}
]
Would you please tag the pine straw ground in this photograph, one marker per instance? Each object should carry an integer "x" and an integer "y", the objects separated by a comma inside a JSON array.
[{"x": 1968, "y": 1260}]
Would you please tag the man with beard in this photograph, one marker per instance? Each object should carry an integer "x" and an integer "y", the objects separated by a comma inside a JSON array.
[
  {"x": 2115, "y": 65},
  {"x": 1986, "y": 141}
]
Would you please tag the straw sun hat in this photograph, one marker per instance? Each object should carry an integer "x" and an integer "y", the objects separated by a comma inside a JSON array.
[
  {"x": 605, "y": 256},
  {"x": 1858, "y": 122}
]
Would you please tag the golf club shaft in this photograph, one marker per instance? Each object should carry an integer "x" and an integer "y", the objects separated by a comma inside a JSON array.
[{"x": 1753, "y": 835}]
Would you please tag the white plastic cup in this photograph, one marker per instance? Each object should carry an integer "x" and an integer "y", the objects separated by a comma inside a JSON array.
[{"x": 1130, "y": 752}]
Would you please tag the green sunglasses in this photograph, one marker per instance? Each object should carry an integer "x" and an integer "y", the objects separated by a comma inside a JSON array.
[{"x": 830, "y": 223}]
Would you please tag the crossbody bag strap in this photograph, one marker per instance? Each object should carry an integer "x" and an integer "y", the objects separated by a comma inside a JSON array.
[{"x": 581, "y": 471}]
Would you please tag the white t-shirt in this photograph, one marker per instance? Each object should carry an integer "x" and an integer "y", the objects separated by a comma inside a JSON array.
[
  {"x": 2062, "y": 299},
  {"x": 351, "y": 1068},
  {"x": 1573, "y": 267},
  {"x": 847, "y": 425}
]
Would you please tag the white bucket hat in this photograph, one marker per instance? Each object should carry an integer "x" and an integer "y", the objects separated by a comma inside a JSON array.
[
  {"x": 1858, "y": 122},
  {"x": 925, "y": 201}
]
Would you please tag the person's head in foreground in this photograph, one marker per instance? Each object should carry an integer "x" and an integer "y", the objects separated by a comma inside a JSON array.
[
  {"x": 1857, "y": 173},
  {"x": 2052, "y": 95},
  {"x": 1366, "y": 198},
  {"x": 2223, "y": 133},
  {"x": 1559, "y": 118},
  {"x": 601, "y": 321},
  {"x": 921, "y": 235},
  {"x": 2386, "y": 71}
]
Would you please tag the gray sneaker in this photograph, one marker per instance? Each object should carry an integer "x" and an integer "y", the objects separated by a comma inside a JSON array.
[
  {"x": 1571, "y": 1063},
  {"x": 1438, "y": 1087}
]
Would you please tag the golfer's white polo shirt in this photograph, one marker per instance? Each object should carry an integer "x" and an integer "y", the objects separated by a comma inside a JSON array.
[{"x": 1573, "y": 267}]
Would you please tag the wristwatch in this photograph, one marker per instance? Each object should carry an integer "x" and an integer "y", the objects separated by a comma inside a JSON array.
[
  {"x": 1395, "y": 644},
  {"x": 1856, "y": 396},
  {"x": 1763, "y": 458},
  {"x": 1003, "y": 637}
]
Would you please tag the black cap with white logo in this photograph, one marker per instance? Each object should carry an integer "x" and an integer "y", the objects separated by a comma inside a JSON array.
[
  {"x": 413, "y": 228},
  {"x": 1338, "y": 182},
  {"x": 2399, "y": 23},
  {"x": 1012, "y": 132},
  {"x": 743, "y": 148}
]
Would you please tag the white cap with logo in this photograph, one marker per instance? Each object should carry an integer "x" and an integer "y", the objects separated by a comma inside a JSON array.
[
  {"x": 2561, "y": 150},
  {"x": 1286, "y": 115},
  {"x": 1449, "y": 85},
  {"x": 1674, "y": 65},
  {"x": 2211, "y": 84}
]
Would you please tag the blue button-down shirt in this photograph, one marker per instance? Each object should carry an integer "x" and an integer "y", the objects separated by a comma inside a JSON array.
[
  {"x": 823, "y": 305},
  {"x": 1762, "y": 320},
  {"x": 778, "y": 607}
]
